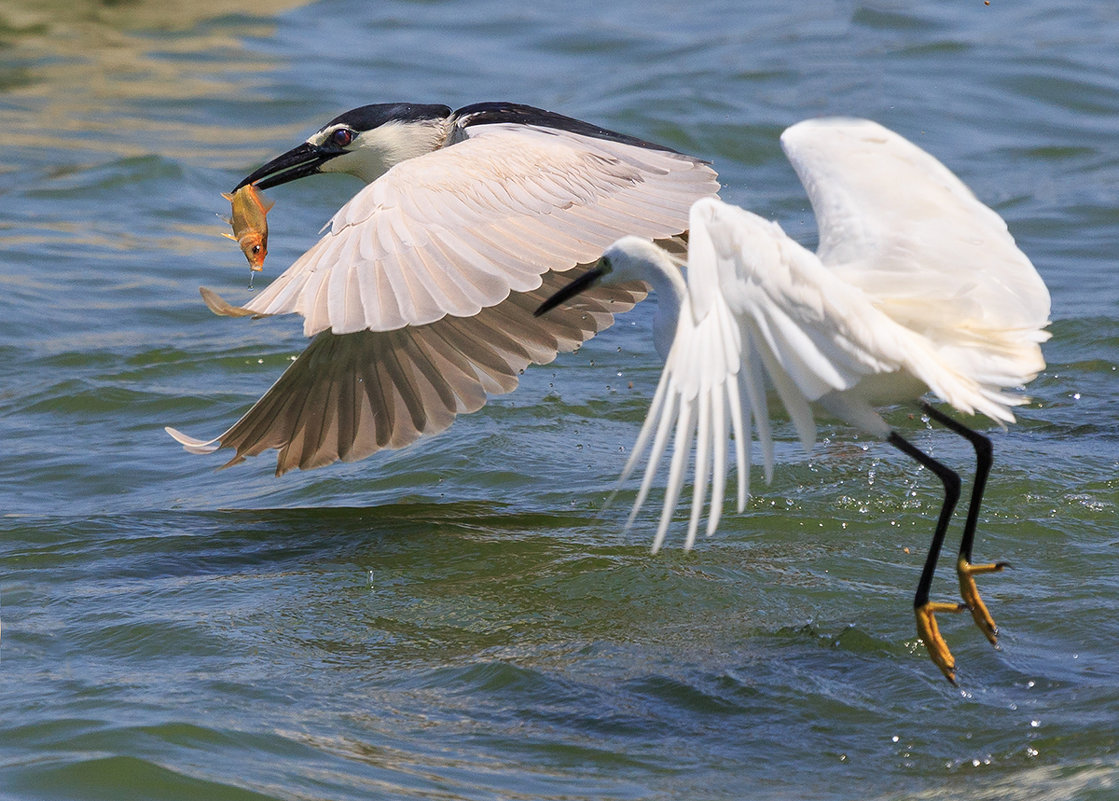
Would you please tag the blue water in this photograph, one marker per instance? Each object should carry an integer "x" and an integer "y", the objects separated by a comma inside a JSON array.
[{"x": 464, "y": 619}]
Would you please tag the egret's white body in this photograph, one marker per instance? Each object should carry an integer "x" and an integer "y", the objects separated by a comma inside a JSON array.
[
  {"x": 916, "y": 287},
  {"x": 421, "y": 292}
]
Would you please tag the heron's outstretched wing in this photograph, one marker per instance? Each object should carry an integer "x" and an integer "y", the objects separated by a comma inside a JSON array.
[
  {"x": 350, "y": 395},
  {"x": 456, "y": 230},
  {"x": 759, "y": 306},
  {"x": 421, "y": 293},
  {"x": 897, "y": 223}
]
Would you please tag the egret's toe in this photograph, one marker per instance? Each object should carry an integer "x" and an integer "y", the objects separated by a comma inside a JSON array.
[
  {"x": 929, "y": 633},
  {"x": 970, "y": 593}
]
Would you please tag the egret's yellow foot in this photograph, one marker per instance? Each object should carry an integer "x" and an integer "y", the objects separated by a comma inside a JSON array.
[
  {"x": 929, "y": 633},
  {"x": 970, "y": 593}
]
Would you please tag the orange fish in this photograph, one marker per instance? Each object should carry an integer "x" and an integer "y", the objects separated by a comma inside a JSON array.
[{"x": 250, "y": 228}]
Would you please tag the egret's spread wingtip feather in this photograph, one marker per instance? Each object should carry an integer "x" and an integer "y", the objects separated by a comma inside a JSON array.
[
  {"x": 681, "y": 451},
  {"x": 702, "y": 465},
  {"x": 720, "y": 432},
  {"x": 664, "y": 425},
  {"x": 652, "y": 416},
  {"x": 741, "y": 415}
]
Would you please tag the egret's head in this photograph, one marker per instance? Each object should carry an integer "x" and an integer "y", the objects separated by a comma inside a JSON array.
[
  {"x": 364, "y": 142},
  {"x": 631, "y": 258}
]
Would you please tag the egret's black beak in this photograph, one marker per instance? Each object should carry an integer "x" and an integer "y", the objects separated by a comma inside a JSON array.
[
  {"x": 298, "y": 162},
  {"x": 580, "y": 284}
]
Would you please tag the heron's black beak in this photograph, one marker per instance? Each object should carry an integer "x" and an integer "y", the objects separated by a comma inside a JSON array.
[
  {"x": 298, "y": 162},
  {"x": 580, "y": 284}
]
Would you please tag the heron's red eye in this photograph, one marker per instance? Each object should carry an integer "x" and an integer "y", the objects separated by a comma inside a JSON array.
[{"x": 342, "y": 137}]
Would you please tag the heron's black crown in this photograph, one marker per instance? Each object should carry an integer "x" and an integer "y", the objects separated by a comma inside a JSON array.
[{"x": 366, "y": 118}]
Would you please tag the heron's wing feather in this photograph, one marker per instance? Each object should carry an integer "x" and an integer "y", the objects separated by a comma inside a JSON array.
[
  {"x": 350, "y": 395},
  {"x": 457, "y": 230},
  {"x": 897, "y": 223}
]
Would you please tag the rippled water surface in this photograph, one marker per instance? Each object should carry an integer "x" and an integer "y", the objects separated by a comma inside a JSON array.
[{"x": 464, "y": 619}]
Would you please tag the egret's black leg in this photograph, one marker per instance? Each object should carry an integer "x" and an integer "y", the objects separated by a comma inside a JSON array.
[
  {"x": 925, "y": 609},
  {"x": 964, "y": 567}
]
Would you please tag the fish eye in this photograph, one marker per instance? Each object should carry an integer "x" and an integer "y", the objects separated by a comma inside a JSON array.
[
  {"x": 342, "y": 137},
  {"x": 256, "y": 249}
]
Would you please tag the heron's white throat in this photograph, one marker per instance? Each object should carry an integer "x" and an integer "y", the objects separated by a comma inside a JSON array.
[{"x": 374, "y": 152}]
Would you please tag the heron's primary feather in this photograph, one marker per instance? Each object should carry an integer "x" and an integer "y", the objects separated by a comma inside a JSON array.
[{"x": 350, "y": 395}]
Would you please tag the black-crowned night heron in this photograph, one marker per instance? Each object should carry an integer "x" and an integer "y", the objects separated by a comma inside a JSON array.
[{"x": 420, "y": 295}]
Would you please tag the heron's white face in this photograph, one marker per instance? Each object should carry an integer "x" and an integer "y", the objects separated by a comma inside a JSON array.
[{"x": 369, "y": 154}]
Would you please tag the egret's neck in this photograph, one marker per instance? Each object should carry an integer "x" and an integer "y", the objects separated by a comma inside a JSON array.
[
  {"x": 633, "y": 258},
  {"x": 670, "y": 289}
]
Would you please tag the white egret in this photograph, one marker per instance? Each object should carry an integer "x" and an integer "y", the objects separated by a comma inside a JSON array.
[
  {"x": 915, "y": 287},
  {"x": 420, "y": 294}
]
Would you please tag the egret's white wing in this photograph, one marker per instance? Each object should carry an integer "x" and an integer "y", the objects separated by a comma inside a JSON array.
[
  {"x": 760, "y": 304},
  {"x": 350, "y": 395},
  {"x": 456, "y": 230},
  {"x": 713, "y": 383},
  {"x": 897, "y": 223},
  {"x": 705, "y": 388}
]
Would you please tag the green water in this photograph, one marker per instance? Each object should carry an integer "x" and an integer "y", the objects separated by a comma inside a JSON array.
[{"x": 466, "y": 619}]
